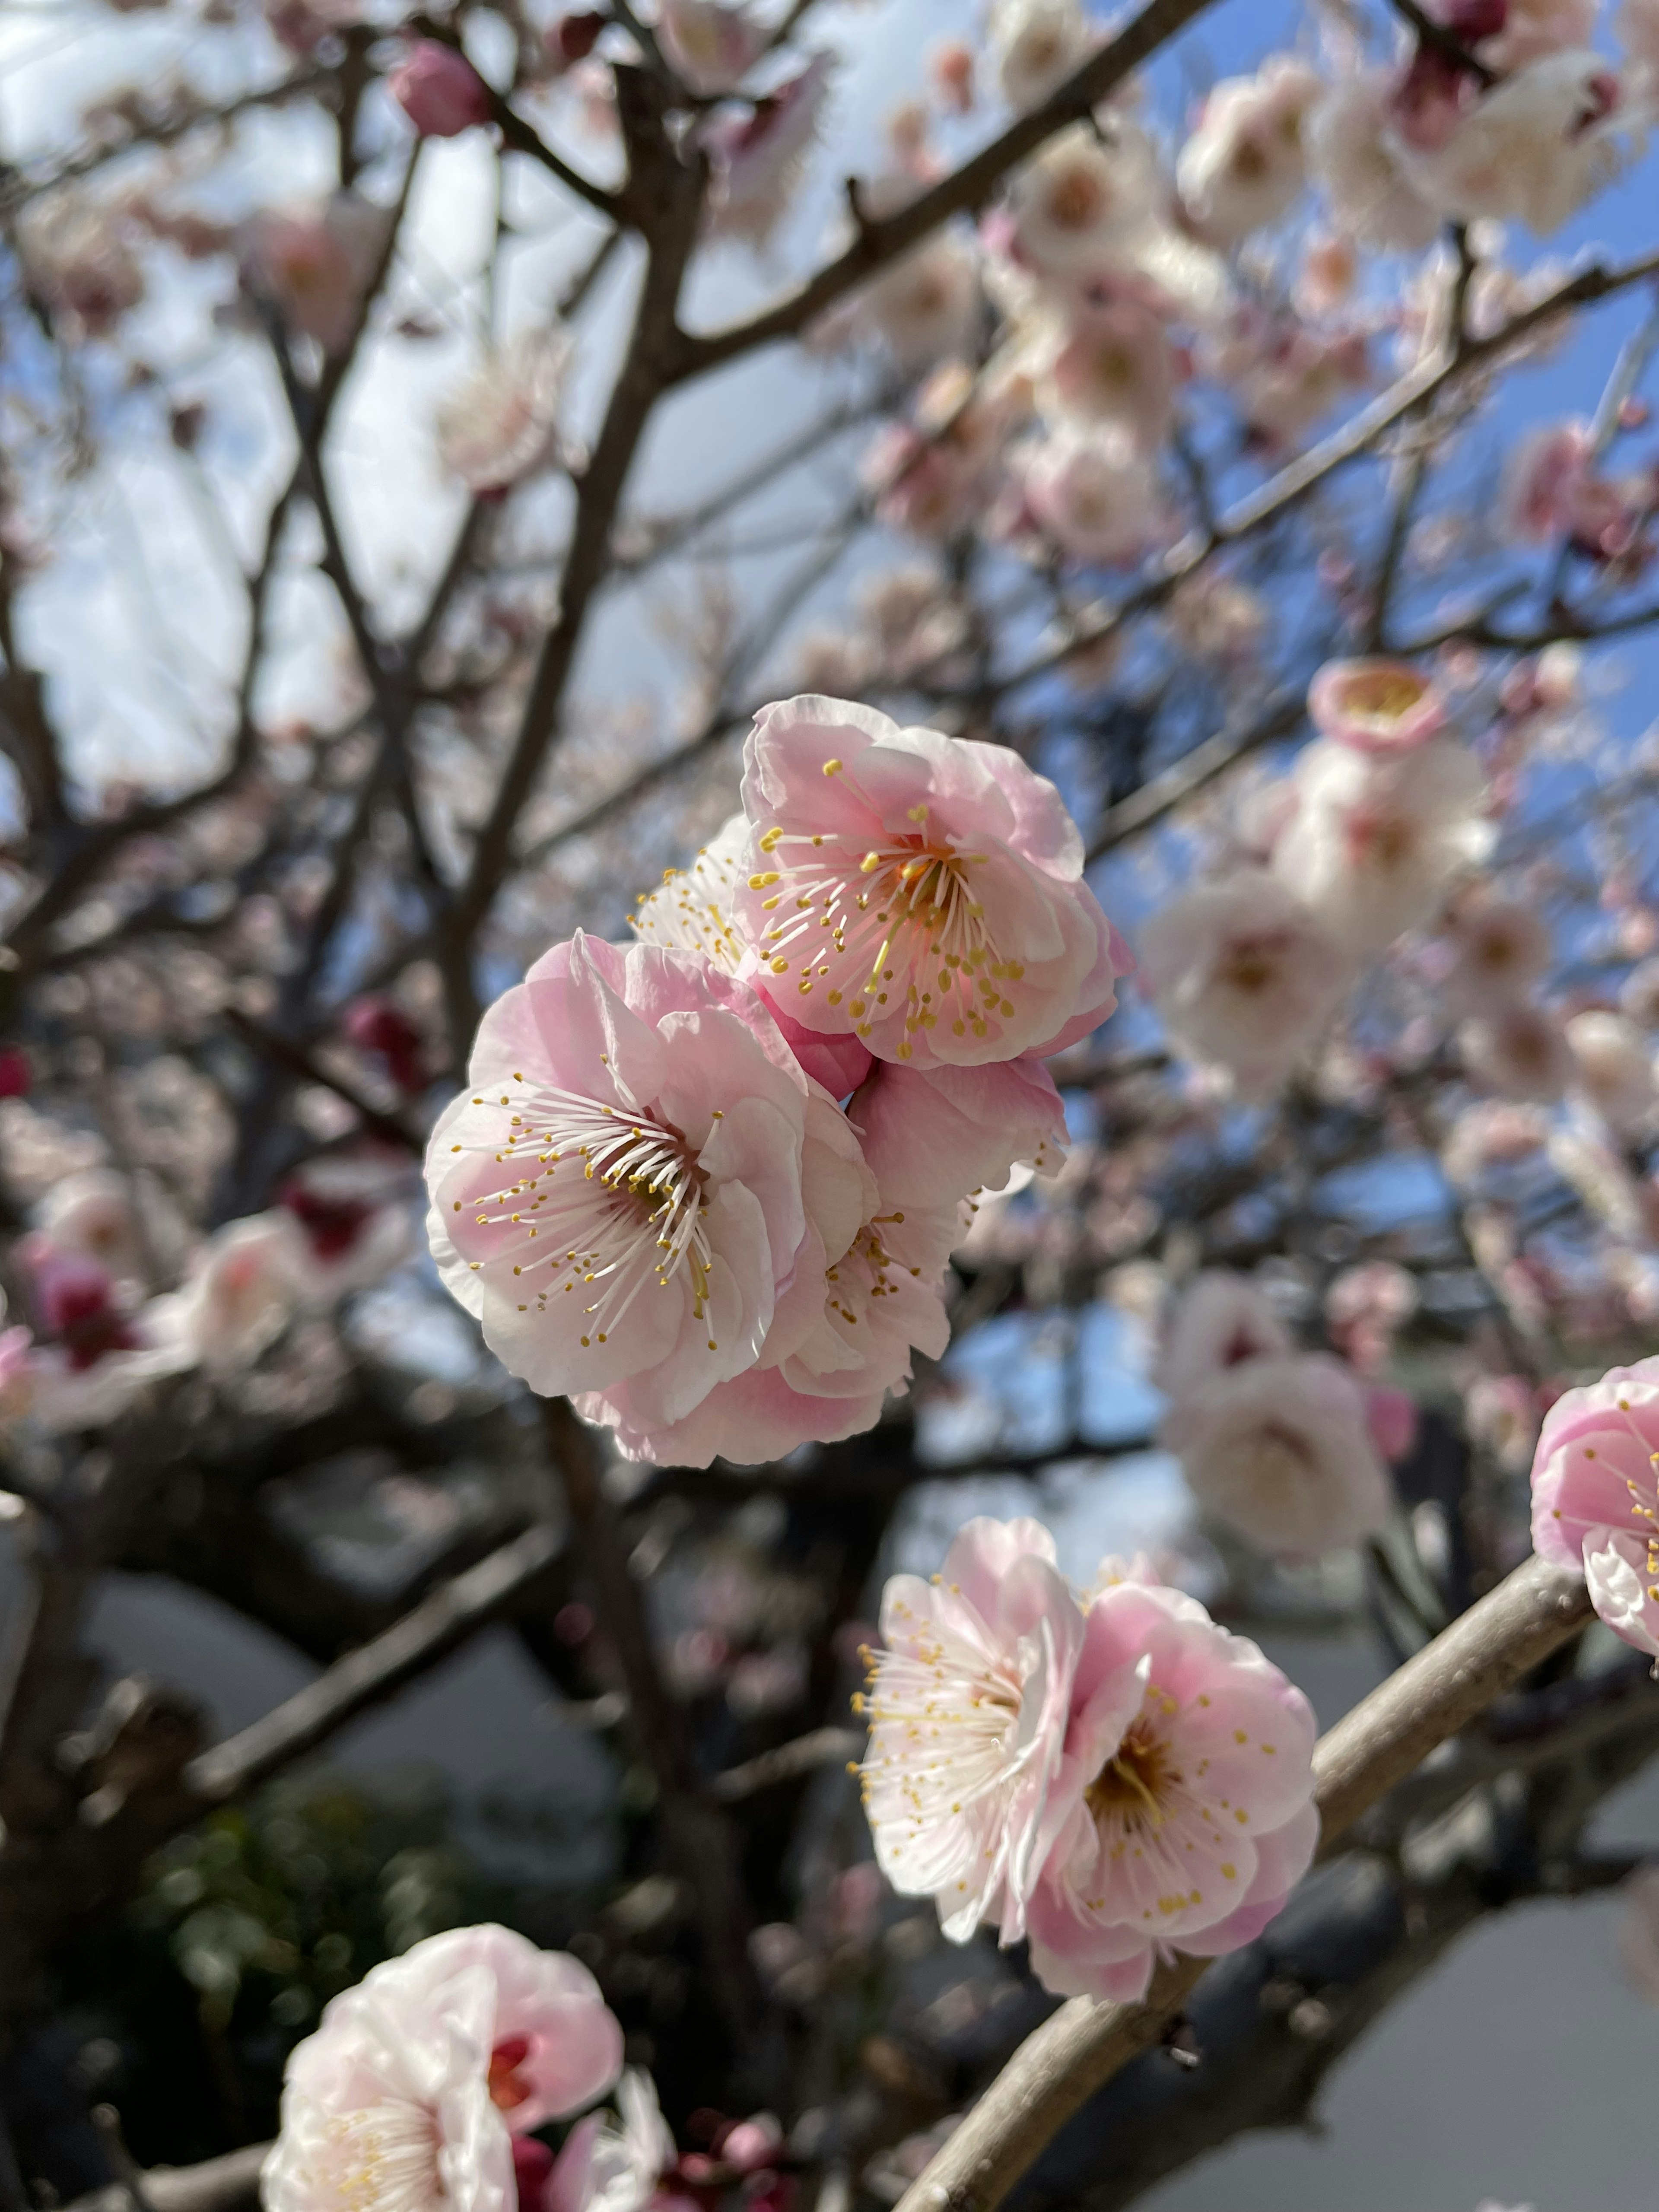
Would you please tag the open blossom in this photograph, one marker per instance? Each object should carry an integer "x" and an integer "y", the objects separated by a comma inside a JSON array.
[
  {"x": 1518, "y": 1052},
  {"x": 757, "y": 158},
  {"x": 413, "y": 2088},
  {"x": 1500, "y": 948},
  {"x": 1377, "y": 842},
  {"x": 1595, "y": 1496},
  {"x": 499, "y": 425},
  {"x": 967, "y": 1705},
  {"x": 242, "y": 1290},
  {"x": 1112, "y": 363},
  {"x": 353, "y": 1212},
  {"x": 922, "y": 892},
  {"x": 924, "y": 306},
  {"x": 1080, "y": 200},
  {"x": 94, "y": 1212},
  {"x": 1220, "y": 1319},
  {"x": 79, "y": 262},
  {"x": 1243, "y": 975},
  {"x": 1187, "y": 1788},
  {"x": 1611, "y": 1068},
  {"x": 1377, "y": 706},
  {"x": 439, "y": 90},
  {"x": 709, "y": 48},
  {"x": 620, "y": 1197},
  {"x": 608, "y": 2165},
  {"x": 1534, "y": 147},
  {"x": 1278, "y": 1447},
  {"x": 1283, "y": 375},
  {"x": 1035, "y": 44},
  {"x": 1552, "y": 489},
  {"x": 1244, "y": 165},
  {"x": 1095, "y": 493},
  {"x": 313, "y": 263},
  {"x": 1355, "y": 160}
]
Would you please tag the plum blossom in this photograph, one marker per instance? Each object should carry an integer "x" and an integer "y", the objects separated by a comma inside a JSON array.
[
  {"x": 500, "y": 424},
  {"x": 94, "y": 1212},
  {"x": 242, "y": 1290},
  {"x": 1518, "y": 1051},
  {"x": 1284, "y": 376},
  {"x": 1220, "y": 1319},
  {"x": 1595, "y": 1496},
  {"x": 103, "y": 1345},
  {"x": 1095, "y": 494},
  {"x": 967, "y": 1704},
  {"x": 1278, "y": 1447},
  {"x": 611, "y": 2166},
  {"x": 1552, "y": 488},
  {"x": 1534, "y": 147},
  {"x": 313, "y": 263},
  {"x": 1079, "y": 201},
  {"x": 416, "y": 2082},
  {"x": 1242, "y": 975},
  {"x": 352, "y": 1209},
  {"x": 1611, "y": 1068},
  {"x": 1501, "y": 1414},
  {"x": 1035, "y": 44},
  {"x": 79, "y": 262},
  {"x": 1377, "y": 842},
  {"x": 1377, "y": 706},
  {"x": 621, "y": 1198},
  {"x": 439, "y": 90},
  {"x": 1244, "y": 165},
  {"x": 1354, "y": 161},
  {"x": 709, "y": 48},
  {"x": 1186, "y": 1790},
  {"x": 923, "y": 892},
  {"x": 1500, "y": 948},
  {"x": 1113, "y": 364},
  {"x": 757, "y": 159},
  {"x": 926, "y": 305}
]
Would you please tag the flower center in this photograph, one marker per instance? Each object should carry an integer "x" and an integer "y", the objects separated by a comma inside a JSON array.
[
  {"x": 613, "y": 1201},
  {"x": 1385, "y": 695},
  {"x": 944, "y": 1729},
  {"x": 382, "y": 2159},
  {"x": 911, "y": 931},
  {"x": 1076, "y": 200},
  {"x": 1134, "y": 1785},
  {"x": 1248, "y": 965}
]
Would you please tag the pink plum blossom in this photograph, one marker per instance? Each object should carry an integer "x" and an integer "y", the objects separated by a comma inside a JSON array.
[
  {"x": 313, "y": 263},
  {"x": 1245, "y": 165},
  {"x": 1377, "y": 706},
  {"x": 1283, "y": 375},
  {"x": 1242, "y": 975},
  {"x": 1376, "y": 841},
  {"x": 926, "y": 305},
  {"x": 920, "y": 892},
  {"x": 1220, "y": 1319},
  {"x": 80, "y": 262},
  {"x": 872, "y": 1293},
  {"x": 968, "y": 1702},
  {"x": 1278, "y": 1447},
  {"x": 1518, "y": 1051},
  {"x": 638, "y": 1175},
  {"x": 608, "y": 2165},
  {"x": 709, "y": 48},
  {"x": 417, "y": 2082},
  {"x": 94, "y": 1212},
  {"x": 351, "y": 1207},
  {"x": 1035, "y": 44},
  {"x": 500, "y": 424},
  {"x": 1186, "y": 1790},
  {"x": 1595, "y": 1496},
  {"x": 1366, "y": 1307},
  {"x": 1114, "y": 364},
  {"x": 439, "y": 90},
  {"x": 1500, "y": 948},
  {"x": 242, "y": 1289}
]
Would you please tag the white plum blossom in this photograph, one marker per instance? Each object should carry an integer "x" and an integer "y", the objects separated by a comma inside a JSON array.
[
  {"x": 1499, "y": 949},
  {"x": 1611, "y": 1068},
  {"x": 710, "y": 47},
  {"x": 1075, "y": 207},
  {"x": 759, "y": 158},
  {"x": 501, "y": 425},
  {"x": 1244, "y": 165},
  {"x": 1518, "y": 1052},
  {"x": 1095, "y": 493},
  {"x": 94, "y": 1212},
  {"x": 1365, "y": 175},
  {"x": 1220, "y": 1319},
  {"x": 242, "y": 1290},
  {"x": 1243, "y": 975},
  {"x": 1536, "y": 146},
  {"x": 1377, "y": 842},
  {"x": 1279, "y": 1447},
  {"x": 1035, "y": 44}
]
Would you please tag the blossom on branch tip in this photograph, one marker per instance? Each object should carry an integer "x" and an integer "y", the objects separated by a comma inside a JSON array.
[
  {"x": 1534, "y": 147},
  {"x": 922, "y": 892},
  {"x": 413, "y": 2088},
  {"x": 1595, "y": 1496},
  {"x": 439, "y": 90},
  {"x": 1244, "y": 165},
  {"x": 709, "y": 48},
  {"x": 1035, "y": 44},
  {"x": 757, "y": 159},
  {"x": 1186, "y": 1790},
  {"x": 1377, "y": 706},
  {"x": 500, "y": 424}
]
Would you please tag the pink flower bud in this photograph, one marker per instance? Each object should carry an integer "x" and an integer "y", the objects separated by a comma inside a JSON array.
[
  {"x": 439, "y": 90},
  {"x": 572, "y": 38}
]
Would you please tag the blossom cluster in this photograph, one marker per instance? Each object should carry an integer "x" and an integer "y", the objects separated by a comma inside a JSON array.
[
  {"x": 1111, "y": 1775},
  {"x": 706, "y": 1184}
]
